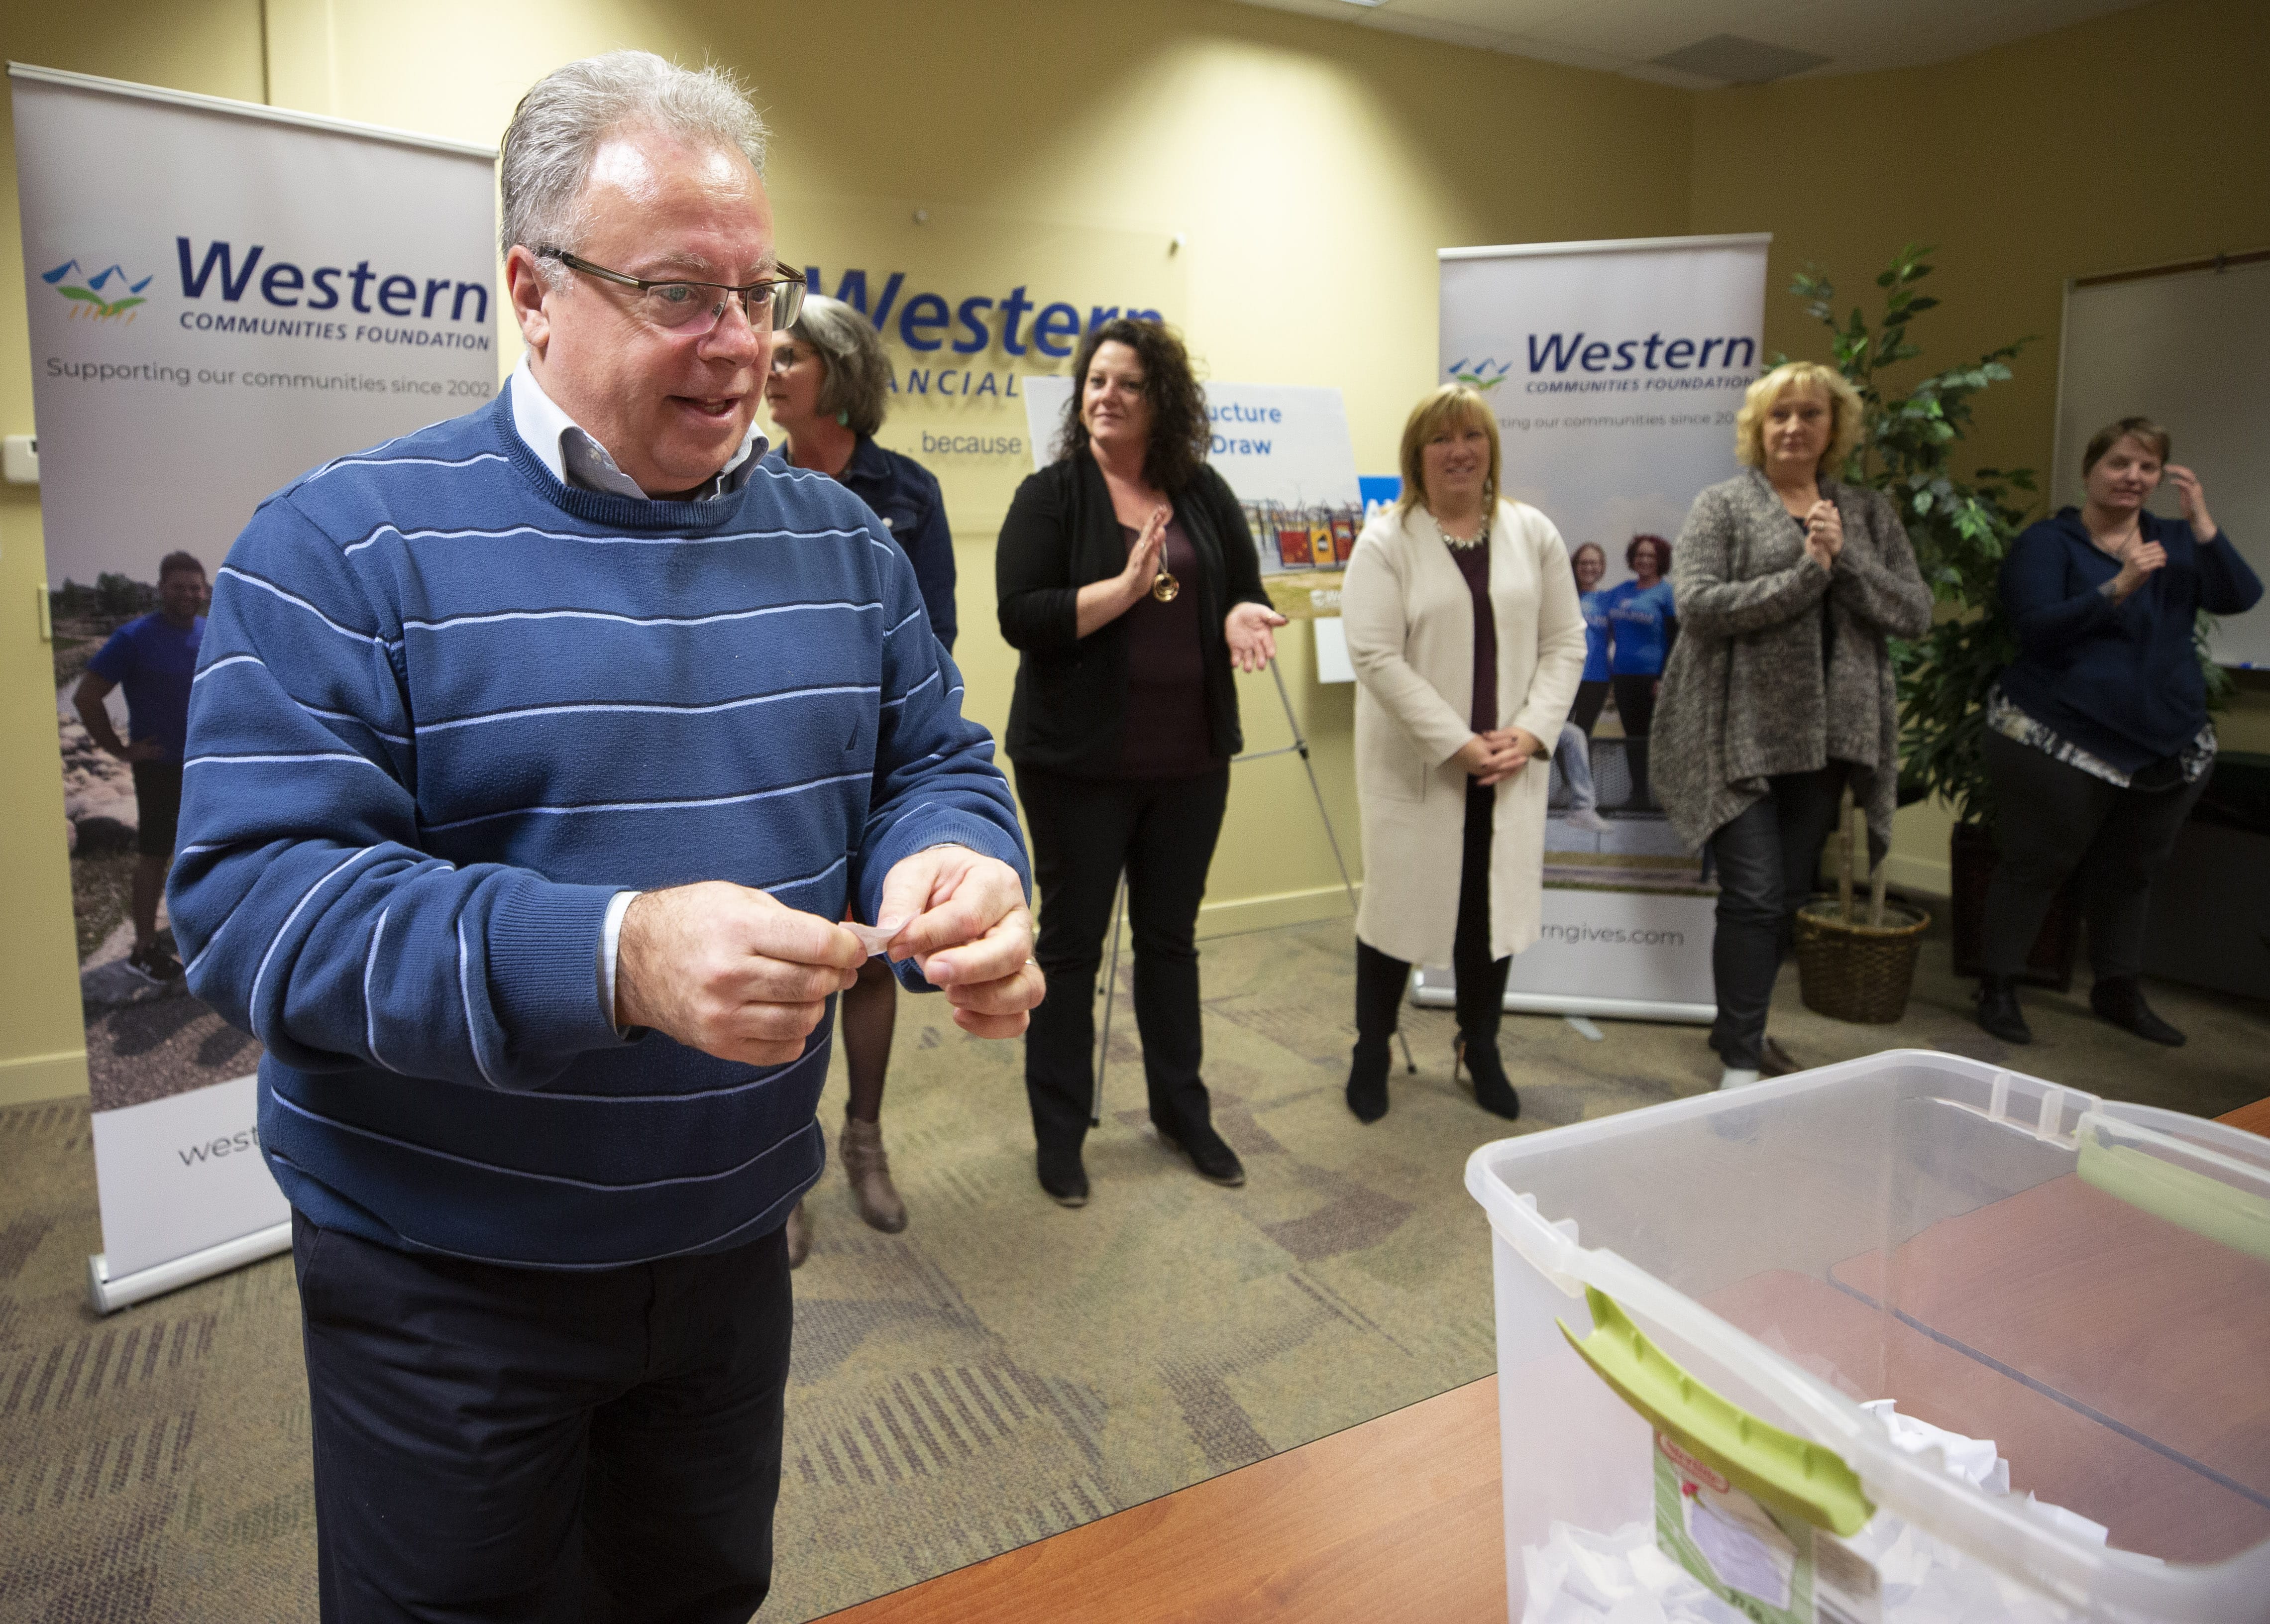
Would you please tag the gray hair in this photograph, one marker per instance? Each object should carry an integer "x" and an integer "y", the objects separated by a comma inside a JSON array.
[
  {"x": 561, "y": 121},
  {"x": 859, "y": 373}
]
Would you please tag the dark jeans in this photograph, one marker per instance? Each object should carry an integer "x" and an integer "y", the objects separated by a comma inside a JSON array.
[
  {"x": 1635, "y": 707},
  {"x": 1380, "y": 979},
  {"x": 2050, "y": 820},
  {"x": 541, "y": 1445},
  {"x": 1085, "y": 830},
  {"x": 1767, "y": 859}
]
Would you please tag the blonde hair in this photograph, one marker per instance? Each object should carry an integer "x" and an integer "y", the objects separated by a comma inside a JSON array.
[
  {"x": 1453, "y": 404},
  {"x": 1845, "y": 412}
]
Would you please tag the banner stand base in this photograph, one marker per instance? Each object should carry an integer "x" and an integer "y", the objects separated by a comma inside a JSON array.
[
  {"x": 1430, "y": 993},
  {"x": 107, "y": 1295}
]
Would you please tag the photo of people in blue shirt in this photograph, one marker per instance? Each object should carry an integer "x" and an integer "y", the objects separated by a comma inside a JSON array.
[{"x": 1643, "y": 624}]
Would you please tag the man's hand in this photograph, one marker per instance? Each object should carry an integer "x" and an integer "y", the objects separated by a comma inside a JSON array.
[
  {"x": 968, "y": 931},
  {"x": 730, "y": 971}
]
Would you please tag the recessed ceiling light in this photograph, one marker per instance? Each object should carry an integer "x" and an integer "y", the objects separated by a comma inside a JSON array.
[{"x": 1737, "y": 61}]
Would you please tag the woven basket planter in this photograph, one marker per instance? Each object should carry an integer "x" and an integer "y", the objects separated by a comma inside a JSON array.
[{"x": 1858, "y": 972}]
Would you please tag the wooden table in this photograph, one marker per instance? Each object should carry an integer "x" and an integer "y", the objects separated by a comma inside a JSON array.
[{"x": 1399, "y": 1519}]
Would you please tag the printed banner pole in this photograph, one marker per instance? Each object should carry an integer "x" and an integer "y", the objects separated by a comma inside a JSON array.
[
  {"x": 221, "y": 296},
  {"x": 1614, "y": 370}
]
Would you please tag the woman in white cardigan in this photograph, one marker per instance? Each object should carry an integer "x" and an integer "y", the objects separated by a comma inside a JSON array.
[{"x": 1467, "y": 641}]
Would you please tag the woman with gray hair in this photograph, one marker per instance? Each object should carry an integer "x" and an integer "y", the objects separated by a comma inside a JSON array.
[
  {"x": 826, "y": 393},
  {"x": 1779, "y": 693}
]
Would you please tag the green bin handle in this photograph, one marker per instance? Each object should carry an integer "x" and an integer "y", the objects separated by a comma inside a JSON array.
[
  {"x": 1776, "y": 1469},
  {"x": 2181, "y": 1195}
]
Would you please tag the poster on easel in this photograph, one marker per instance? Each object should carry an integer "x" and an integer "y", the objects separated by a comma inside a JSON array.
[
  {"x": 221, "y": 296},
  {"x": 1614, "y": 370}
]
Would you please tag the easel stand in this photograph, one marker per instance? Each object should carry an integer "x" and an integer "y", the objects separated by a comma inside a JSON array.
[{"x": 1300, "y": 746}]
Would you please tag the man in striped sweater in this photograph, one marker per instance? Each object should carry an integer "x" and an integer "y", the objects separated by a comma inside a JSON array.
[{"x": 532, "y": 761}]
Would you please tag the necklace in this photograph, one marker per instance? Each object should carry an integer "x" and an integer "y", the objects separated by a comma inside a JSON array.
[
  {"x": 1458, "y": 543},
  {"x": 2118, "y": 543}
]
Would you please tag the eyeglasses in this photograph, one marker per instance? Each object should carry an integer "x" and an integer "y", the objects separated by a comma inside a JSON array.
[{"x": 694, "y": 308}]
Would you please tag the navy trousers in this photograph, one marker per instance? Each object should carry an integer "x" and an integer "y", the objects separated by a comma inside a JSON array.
[{"x": 543, "y": 1445}]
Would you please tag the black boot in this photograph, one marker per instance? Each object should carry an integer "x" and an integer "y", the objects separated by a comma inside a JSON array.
[
  {"x": 1367, "y": 1083},
  {"x": 1062, "y": 1175},
  {"x": 1379, "y": 984},
  {"x": 1213, "y": 1160},
  {"x": 2120, "y": 1000},
  {"x": 1998, "y": 1009},
  {"x": 1493, "y": 1088}
]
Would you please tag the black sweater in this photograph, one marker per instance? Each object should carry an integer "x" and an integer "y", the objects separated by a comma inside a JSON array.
[
  {"x": 1071, "y": 705},
  {"x": 2121, "y": 681}
]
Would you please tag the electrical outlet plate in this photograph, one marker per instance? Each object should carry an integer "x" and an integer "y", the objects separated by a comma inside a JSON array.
[{"x": 20, "y": 459}]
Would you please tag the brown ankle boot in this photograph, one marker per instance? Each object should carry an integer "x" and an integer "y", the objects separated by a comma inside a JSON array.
[
  {"x": 799, "y": 1237},
  {"x": 869, "y": 1170}
]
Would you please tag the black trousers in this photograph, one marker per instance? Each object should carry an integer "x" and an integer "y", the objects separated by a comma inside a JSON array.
[
  {"x": 1380, "y": 979},
  {"x": 1085, "y": 830},
  {"x": 542, "y": 1445},
  {"x": 1590, "y": 696},
  {"x": 1635, "y": 707},
  {"x": 2049, "y": 820},
  {"x": 1767, "y": 858}
]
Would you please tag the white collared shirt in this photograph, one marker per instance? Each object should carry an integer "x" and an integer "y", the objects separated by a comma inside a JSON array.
[{"x": 575, "y": 458}]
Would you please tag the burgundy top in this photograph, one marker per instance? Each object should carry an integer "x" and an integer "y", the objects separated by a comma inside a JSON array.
[
  {"x": 1166, "y": 735},
  {"x": 1474, "y": 564}
]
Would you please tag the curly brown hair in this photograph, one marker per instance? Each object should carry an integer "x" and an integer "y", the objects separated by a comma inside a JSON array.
[{"x": 1180, "y": 432}]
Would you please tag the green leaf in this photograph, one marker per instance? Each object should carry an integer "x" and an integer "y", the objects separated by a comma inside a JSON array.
[{"x": 80, "y": 293}]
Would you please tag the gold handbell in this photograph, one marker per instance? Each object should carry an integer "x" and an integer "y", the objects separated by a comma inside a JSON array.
[{"x": 1166, "y": 587}]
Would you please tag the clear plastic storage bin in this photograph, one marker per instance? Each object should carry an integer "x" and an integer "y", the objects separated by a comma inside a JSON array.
[{"x": 1698, "y": 1302}]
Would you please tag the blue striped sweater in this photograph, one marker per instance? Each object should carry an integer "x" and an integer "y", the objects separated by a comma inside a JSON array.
[{"x": 447, "y": 706}]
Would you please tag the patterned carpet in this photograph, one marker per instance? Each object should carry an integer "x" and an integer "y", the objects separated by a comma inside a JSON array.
[{"x": 1002, "y": 1370}]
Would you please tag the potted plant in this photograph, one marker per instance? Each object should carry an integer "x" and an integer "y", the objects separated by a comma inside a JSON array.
[{"x": 1960, "y": 528}]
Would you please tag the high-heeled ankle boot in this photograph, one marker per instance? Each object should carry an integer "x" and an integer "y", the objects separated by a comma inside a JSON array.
[
  {"x": 1493, "y": 1088},
  {"x": 869, "y": 1170},
  {"x": 799, "y": 1237},
  {"x": 1367, "y": 1083},
  {"x": 1999, "y": 1014}
]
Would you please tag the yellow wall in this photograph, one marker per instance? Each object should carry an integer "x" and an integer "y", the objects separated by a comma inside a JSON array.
[
  {"x": 1311, "y": 168},
  {"x": 2136, "y": 139}
]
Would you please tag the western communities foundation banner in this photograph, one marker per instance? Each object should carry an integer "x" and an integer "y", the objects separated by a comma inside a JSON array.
[
  {"x": 221, "y": 297},
  {"x": 1614, "y": 370}
]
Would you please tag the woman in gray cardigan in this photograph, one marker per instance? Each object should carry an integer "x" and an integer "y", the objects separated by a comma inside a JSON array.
[{"x": 1779, "y": 691}]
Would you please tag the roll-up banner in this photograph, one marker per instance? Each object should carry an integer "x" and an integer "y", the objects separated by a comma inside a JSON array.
[
  {"x": 1614, "y": 370},
  {"x": 221, "y": 297}
]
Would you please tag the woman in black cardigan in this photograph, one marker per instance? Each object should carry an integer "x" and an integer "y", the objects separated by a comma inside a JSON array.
[{"x": 1128, "y": 580}]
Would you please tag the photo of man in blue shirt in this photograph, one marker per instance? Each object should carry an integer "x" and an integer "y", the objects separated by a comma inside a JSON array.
[{"x": 153, "y": 657}]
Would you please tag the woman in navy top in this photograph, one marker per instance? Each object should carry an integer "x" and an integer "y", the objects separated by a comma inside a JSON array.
[
  {"x": 2097, "y": 740},
  {"x": 827, "y": 392},
  {"x": 1643, "y": 624}
]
